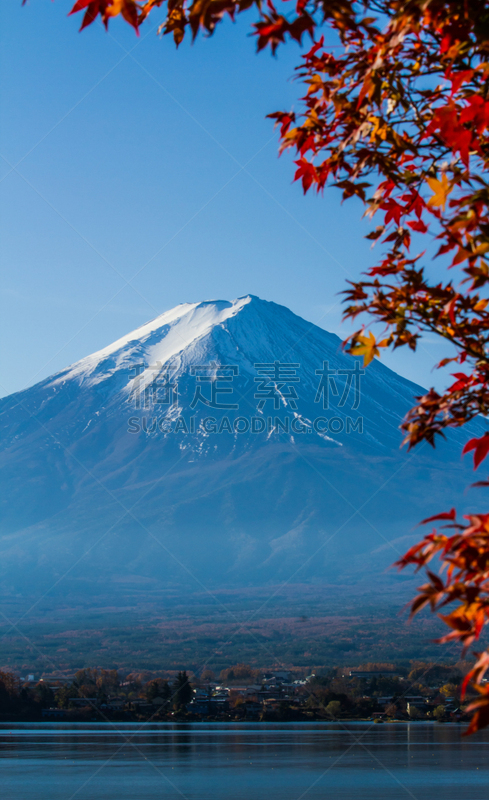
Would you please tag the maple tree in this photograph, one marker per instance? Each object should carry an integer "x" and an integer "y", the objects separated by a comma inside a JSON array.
[{"x": 396, "y": 113}]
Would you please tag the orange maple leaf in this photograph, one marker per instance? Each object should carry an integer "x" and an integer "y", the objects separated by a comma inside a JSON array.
[
  {"x": 368, "y": 347},
  {"x": 441, "y": 191}
]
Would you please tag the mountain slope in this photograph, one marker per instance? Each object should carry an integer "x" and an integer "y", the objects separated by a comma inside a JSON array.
[{"x": 130, "y": 468}]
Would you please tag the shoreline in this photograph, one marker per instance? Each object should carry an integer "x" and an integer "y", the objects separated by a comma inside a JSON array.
[{"x": 228, "y": 722}]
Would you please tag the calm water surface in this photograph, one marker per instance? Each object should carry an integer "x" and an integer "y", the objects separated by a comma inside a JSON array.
[{"x": 242, "y": 761}]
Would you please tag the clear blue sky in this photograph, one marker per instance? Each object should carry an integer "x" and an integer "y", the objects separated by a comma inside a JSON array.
[{"x": 148, "y": 179}]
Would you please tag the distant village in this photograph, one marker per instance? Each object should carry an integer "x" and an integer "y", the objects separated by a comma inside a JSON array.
[{"x": 373, "y": 692}]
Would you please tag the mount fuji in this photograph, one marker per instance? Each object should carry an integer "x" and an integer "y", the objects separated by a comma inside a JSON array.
[{"x": 222, "y": 444}]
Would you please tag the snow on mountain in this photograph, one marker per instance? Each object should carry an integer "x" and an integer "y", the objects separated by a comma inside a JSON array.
[
  {"x": 227, "y": 443},
  {"x": 188, "y": 345},
  {"x": 159, "y": 340}
]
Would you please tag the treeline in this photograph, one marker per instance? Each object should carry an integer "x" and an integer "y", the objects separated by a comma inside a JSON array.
[
  {"x": 424, "y": 691},
  {"x": 17, "y": 699},
  {"x": 91, "y": 689},
  {"x": 419, "y": 690}
]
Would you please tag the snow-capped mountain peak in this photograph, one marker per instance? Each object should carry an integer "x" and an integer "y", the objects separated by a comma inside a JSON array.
[
  {"x": 238, "y": 429},
  {"x": 159, "y": 340}
]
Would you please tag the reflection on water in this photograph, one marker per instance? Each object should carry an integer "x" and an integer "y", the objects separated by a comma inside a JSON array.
[{"x": 290, "y": 761}]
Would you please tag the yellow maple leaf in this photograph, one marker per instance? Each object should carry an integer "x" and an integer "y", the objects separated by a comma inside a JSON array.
[
  {"x": 481, "y": 249},
  {"x": 441, "y": 191},
  {"x": 315, "y": 83},
  {"x": 379, "y": 128},
  {"x": 368, "y": 347}
]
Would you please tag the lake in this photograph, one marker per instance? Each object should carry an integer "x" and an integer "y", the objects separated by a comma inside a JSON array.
[{"x": 242, "y": 761}]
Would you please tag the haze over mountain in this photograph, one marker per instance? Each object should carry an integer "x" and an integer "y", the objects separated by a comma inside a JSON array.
[{"x": 123, "y": 464}]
